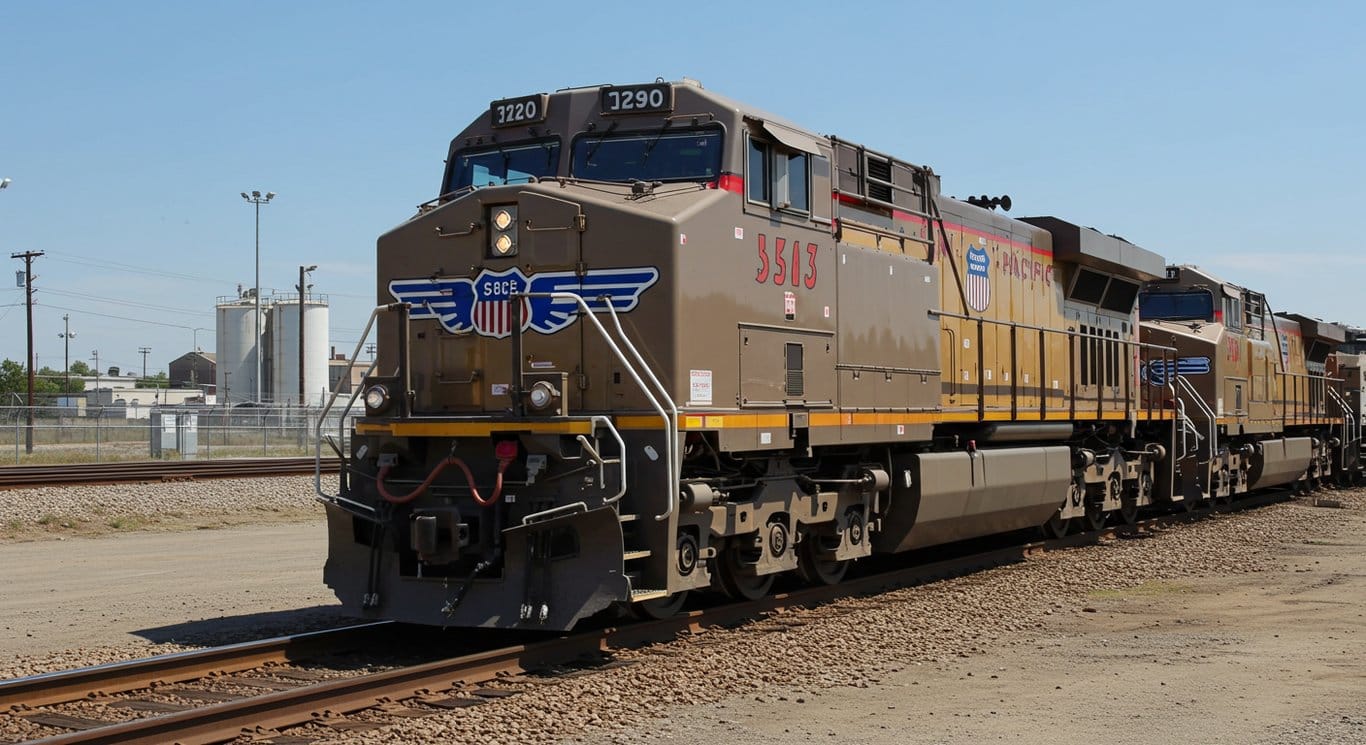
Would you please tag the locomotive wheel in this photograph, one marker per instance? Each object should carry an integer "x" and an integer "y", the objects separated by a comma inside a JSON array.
[
  {"x": 1190, "y": 504},
  {"x": 1128, "y": 510},
  {"x": 733, "y": 579},
  {"x": 1095, "y": 516},
  {"x": 660, "y": 608},
  {"x": 1057, "y": 526},
  {"x": 812, "y": 564}
]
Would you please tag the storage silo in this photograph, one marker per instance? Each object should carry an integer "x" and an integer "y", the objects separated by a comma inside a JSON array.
[
  {"x": 285, "y": 329},
  {"x": 236, "y": 348}
]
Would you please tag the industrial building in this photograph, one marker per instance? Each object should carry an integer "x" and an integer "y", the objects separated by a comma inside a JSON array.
[{"x": 293, "y": 328}]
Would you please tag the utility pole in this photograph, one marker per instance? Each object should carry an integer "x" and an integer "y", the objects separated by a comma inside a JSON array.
[
  {"x": 144, "y": 351},
  {"x": 28, "y": 257},
  {"x": 303, "y": 299}
]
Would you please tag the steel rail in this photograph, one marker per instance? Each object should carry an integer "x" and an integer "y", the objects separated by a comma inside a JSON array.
[
  {"x": 225, "y": 721},
  {"x": 118, "y": 677},
  {"x": 20, "y": 477}
]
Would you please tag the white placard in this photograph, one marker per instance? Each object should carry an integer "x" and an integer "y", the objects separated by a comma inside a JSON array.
[{"x": 699, "y": 386}]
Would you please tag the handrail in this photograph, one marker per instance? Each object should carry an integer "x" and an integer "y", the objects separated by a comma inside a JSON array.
[
  {"x": 1204, "y": 408},
  {"x": 671, "y": 427},
  {"x": 341, "y": 425},
  {"x": 670, "y": 423},
  {"x": 621, "y": 459},
  {"x": 1349, "y": 424}
]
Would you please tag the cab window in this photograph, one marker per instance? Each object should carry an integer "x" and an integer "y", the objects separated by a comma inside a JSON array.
[
  {"x": 507, "y": 164},
  {"x": 661, "y": 155},
  {"x": 778, "y": 177}
]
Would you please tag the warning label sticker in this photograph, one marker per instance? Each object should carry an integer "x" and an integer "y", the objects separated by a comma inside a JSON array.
[{"x": 699, "y": 386}]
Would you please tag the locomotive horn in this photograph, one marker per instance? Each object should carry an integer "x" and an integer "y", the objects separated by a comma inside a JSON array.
[{"x": 1003, "y": 201}]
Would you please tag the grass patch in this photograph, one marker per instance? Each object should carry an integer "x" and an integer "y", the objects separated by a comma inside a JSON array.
[
  {"x": 1151, "y": 588},
  {"x": 125, "y": 523}
]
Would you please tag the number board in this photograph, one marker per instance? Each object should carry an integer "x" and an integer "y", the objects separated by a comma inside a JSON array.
[
  {"x": 523, "y": 110},
  {"x": 635, "y": 99}
]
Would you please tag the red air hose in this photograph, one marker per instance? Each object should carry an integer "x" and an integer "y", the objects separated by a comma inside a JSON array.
[{"x": 505, "y": 459}]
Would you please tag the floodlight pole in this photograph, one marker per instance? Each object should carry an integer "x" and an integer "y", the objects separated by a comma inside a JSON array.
[{"x": 258, "y": 199}]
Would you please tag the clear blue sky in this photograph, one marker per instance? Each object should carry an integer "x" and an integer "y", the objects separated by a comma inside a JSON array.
[{"x": 1227, "y": 135}]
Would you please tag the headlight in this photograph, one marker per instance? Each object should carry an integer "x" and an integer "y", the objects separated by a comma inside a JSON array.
[
  {"x": 377, "y": 398},
  {"x": 503, "y": 236},
  {"x": 541, "y": 395}
]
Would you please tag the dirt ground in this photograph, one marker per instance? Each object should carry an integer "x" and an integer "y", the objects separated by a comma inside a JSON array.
[
  {"x": 140, "y": 588},
  {"x": 1270, "y": 657}
]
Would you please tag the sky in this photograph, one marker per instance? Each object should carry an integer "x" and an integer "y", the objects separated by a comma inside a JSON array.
[{"x": 1227, "y": 135}]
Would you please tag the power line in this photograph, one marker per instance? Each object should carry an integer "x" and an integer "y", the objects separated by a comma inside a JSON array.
[
  {"x": 130, "y": 268},
  {"x": 120, "y": 318},
  {"x": 130, "y": 303}
]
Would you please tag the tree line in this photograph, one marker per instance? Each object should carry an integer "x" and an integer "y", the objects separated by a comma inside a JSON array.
[{"x": 48, "y": 384}]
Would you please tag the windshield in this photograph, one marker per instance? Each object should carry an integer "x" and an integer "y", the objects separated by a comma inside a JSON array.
[
  {"x": 1176, "y": 306},
  {"x": 510, "y": 164},
  {"x": 693, "y": 155}
]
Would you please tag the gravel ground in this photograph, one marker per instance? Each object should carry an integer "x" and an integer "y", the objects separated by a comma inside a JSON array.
[
  {"x": 797, "y": 657},
  {"x": 61, "y": 511}
]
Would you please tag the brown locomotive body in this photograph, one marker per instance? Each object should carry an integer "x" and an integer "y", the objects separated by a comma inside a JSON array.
[{"x": 650, "y": 340}]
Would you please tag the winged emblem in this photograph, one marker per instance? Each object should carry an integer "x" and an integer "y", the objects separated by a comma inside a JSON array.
[{"x": 484, "y": 304}]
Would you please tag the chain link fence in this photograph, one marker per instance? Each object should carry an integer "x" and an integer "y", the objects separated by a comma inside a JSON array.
[{"x": 121, "y": 433}]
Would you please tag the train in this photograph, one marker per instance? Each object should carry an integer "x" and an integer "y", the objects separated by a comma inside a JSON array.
[{"x": 650, "y": 340}]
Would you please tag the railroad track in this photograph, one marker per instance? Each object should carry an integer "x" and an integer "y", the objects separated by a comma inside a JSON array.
[
  {"x": 19, "y": 477},
  {"x": 426, "y": 688}
]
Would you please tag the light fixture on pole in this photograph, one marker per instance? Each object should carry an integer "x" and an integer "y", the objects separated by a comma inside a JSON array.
[
  {"x": 4, "y": 183},
  {"x": 303, "y": 299},
  {"x": 96, "y": 354},
  {"x": 258, "y": 199},
  {"x": 67, "y": 335}
]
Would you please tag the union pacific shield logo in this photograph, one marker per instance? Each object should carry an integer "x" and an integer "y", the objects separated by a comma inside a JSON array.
[
  {"x": 492, "y": 306},
  {"x": 978, "y": 285},
  {"x": 483, "y": 305}
]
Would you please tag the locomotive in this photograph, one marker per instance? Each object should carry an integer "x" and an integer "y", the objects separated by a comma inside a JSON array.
[{"x": 649, "y": 340}]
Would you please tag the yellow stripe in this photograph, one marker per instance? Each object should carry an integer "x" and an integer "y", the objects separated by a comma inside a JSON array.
[
  {"x": 471, "y": 429},
  {"x": 726, "y": 421}
]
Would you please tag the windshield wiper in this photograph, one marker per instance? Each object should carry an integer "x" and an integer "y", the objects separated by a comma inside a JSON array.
[
  {"x": 645, "y": 156},
  {"x": 589, "y": 155}
]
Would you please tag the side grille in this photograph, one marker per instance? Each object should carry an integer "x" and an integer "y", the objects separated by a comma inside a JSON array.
[
  {"x": 796, "y": 381},
  {"x": 880, "y": 170}
]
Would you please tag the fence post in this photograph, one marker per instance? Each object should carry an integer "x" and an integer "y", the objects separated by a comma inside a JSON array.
[
  {"x": 99, "y": 414},
  {"x": 16, "y": 438},
  {"x": 261, "y": 422}
]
